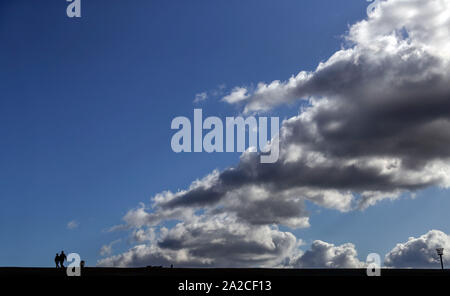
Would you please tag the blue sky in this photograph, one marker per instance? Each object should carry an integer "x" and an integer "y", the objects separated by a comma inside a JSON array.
[{"x": 86, "y": 106}]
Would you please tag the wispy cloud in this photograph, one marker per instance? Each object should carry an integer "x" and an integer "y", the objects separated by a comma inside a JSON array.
[
  {"x": 203, "y": 96},
  {"x": 72, "y": 224},
  {"x": 107, "y": 250},
  {"x": 200, "y": 97}
]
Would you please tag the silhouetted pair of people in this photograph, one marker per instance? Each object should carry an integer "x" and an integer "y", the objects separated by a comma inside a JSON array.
[{"x": 59, "y": 259}]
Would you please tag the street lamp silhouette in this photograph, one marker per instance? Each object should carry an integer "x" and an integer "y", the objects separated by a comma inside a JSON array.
[{"x": 440, "y": 252}]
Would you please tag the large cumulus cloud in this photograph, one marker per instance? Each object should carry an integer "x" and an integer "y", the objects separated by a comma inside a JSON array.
[
  {"x": 218, "y": 241},
  {"x": 420, "y": 252},
  {"x": 376, "y": 126},
  {"x": 326, "y": 255}
]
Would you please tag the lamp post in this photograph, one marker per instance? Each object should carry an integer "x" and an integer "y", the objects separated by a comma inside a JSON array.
[{"x": 440, "y": 252}]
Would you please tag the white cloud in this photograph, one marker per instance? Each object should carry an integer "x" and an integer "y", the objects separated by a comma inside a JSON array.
[
  {"x": 222, "y": 241},
  {"x": 420, "y": 252},
  {"x": 72, "y": 224},
  {"x": 143, "y": 235},
  {"x": 390, "y": 49},
  {"x": 326, "y": 255},
  {"x": 107, "y": 250},
  {"x": 218, "y": 240},
  {"x": 201, "y": 97},
  {"x": 238, "y": 94}
]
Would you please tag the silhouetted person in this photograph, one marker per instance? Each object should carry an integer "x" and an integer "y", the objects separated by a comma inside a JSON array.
[
  {"x": 62, "y": 258},
  {"x": 57, "y": 260}
]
